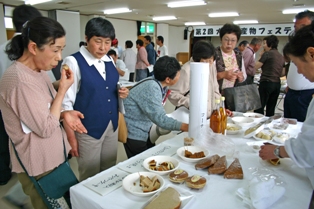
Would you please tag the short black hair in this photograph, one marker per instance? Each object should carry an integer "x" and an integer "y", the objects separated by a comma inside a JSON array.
[
  {"x": 245, "y": 43},
  {"x": 300, "y": 41},
  {"x": 306, "y": 13},
  {"x": 166, "y": 67},
  {"x": 112, "y": 52},
  {"x": 203, "y": 50},
  {"x": 129, "y": 44},
  {"x": 230, "y": 28},
  {"x": 148, "y": 38},
  {"x": 272, "y": 41},
  {"x": 160, "y": 38},
  {"x": 23, "y": 13},
  {"x": 139, "y": 42},
  {"x": 100, "y": 27}
]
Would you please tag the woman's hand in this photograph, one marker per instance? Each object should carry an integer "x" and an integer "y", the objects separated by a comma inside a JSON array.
[
  {"x": 74, "y": 145},
  {"x": 73, "y": 120},
  {"x": 67, "y": 78},
  {"x": 230, "y": 75},
  {"x": 123, "y": 92},
  {"x": 229, "y": 113},
  {"x": 240, "y": 76}
]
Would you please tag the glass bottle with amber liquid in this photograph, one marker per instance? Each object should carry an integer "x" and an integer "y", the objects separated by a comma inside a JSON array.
[
  {"x": 215, "y": 118},
  {"x": 223, "y": 116}
]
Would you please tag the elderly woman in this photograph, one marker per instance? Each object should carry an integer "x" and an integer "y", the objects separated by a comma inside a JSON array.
[
  {"x": 229, "y": 62},
  {"x": 272, "y": 64},
  {"x": 300, "y": 49},
  {"x": 30, "y": 106}
]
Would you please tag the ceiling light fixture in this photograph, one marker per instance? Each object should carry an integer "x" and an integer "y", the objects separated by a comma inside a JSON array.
[
  {"x": 117, "y": 11},
  {"x": 33, "y": 2},
  {"x": 295, "y": 11},
  {"x": 194, "y": 23},
  {"x": 223, "y": 14},
  {"x": 164, "y": 18},
  {"x": 239, "y": 22},
  {"x": 185, "y": 4}
]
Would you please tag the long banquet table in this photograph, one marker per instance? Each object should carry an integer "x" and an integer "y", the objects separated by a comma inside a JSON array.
[{"x": 219, "y": 193}]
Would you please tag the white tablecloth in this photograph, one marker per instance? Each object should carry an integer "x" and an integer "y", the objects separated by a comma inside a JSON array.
[{"x": 219, "y": 193}]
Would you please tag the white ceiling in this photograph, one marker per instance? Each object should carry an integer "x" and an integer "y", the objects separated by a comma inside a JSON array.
[{"x": 265, "y": 11}]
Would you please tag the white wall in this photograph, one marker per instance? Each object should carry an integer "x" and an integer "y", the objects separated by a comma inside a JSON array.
[
  {"x": 3, "y": 33},
  {"x": 163, "y": 30},
  {"x": 176, "y": 41},
  {"x": 71, "y": 23}
]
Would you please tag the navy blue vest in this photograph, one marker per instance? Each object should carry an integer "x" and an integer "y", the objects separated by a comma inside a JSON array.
[{"x": 97, "y": 98}]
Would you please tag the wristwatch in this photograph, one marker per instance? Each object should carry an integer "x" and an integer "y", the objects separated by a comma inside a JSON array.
[{"x": 277, "y": 152}]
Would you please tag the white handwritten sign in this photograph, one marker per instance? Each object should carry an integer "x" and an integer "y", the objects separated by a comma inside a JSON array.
[
  {"x": 106, "y": 182},
  {"x": 135, "y": 164}
]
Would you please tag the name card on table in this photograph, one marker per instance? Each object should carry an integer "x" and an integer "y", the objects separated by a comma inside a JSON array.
[
  {"x": 106, "y": 182},
  {"x": 135, "y": 164}
]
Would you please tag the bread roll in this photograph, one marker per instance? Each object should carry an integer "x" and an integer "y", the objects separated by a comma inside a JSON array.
[{"x": 167, "y": 199}]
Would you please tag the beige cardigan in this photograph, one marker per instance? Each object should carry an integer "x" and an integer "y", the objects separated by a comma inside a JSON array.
[{"x": 178, "y": 90}]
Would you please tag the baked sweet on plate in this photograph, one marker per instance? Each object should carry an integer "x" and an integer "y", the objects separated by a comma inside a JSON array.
[
  {"x": 205, "y": 163},
  {"x": 234, "y": 171},
  {"x": 219, "y": 167},
  {"x": 178, "y": 176},
  {"x": 195, "y": 182}
]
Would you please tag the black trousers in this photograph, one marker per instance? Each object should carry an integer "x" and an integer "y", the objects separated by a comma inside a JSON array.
[
  {"x": 133, "y": 147},
  {"x": 5, "y": 170},
  {"x": 269, "y": 92}
]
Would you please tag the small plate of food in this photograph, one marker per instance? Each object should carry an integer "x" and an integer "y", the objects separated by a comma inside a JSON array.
[
  {"x": 281, "y": 137},
  {"x": 160, "y": 164},
  {"x": 143, "y": 183},
  {"x": 233, "y": 128},
  {"x": 257, "y": 117},
  {"x": 192, "y": 154},
  {"x": 265, "y": 135}
]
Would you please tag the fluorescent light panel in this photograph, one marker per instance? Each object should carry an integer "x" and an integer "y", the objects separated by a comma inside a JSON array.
[
  {"x": 295, "y": 11},
  {"x": 223, "y": 14},
  {"x": 117, "y": 11},
  {"x": 164, "y": 18},
  {"x": 194, "y": 23},
  {"x": 239, "y": 22},
  {"x": 185, "y": 4},
  {"x": 33, "y": 2}
]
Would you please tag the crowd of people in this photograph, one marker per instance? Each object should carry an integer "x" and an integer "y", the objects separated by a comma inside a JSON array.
[{"x": 87, "y": 96}]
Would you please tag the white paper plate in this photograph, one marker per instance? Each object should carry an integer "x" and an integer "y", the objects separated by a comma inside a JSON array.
[
  {"x": 131, "y": 183},
  {"x": 257, "y": 117},
  {"x": 193, "y": 149},
  {"x": 160, "y": 159}
]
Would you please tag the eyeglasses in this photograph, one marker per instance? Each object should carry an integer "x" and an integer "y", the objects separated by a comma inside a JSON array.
[{"x": 229, "y": 40}]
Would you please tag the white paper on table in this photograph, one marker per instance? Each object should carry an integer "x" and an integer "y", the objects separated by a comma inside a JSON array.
[
  {"x": 198, "y": 97},
  {"x": 181, "y": 114},
  {"x": 106, "y": 182},
  {"x": 150, "y": 68},
  {"x": 135, "y": 164}
]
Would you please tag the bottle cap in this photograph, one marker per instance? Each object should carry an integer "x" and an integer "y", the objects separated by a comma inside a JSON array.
[
  {"x": 222, "y": 98},
  {"x": 217, "y": 101}
]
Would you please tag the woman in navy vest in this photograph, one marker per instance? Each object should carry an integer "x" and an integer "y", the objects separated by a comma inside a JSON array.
[{"x": 95, "y": 94}]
